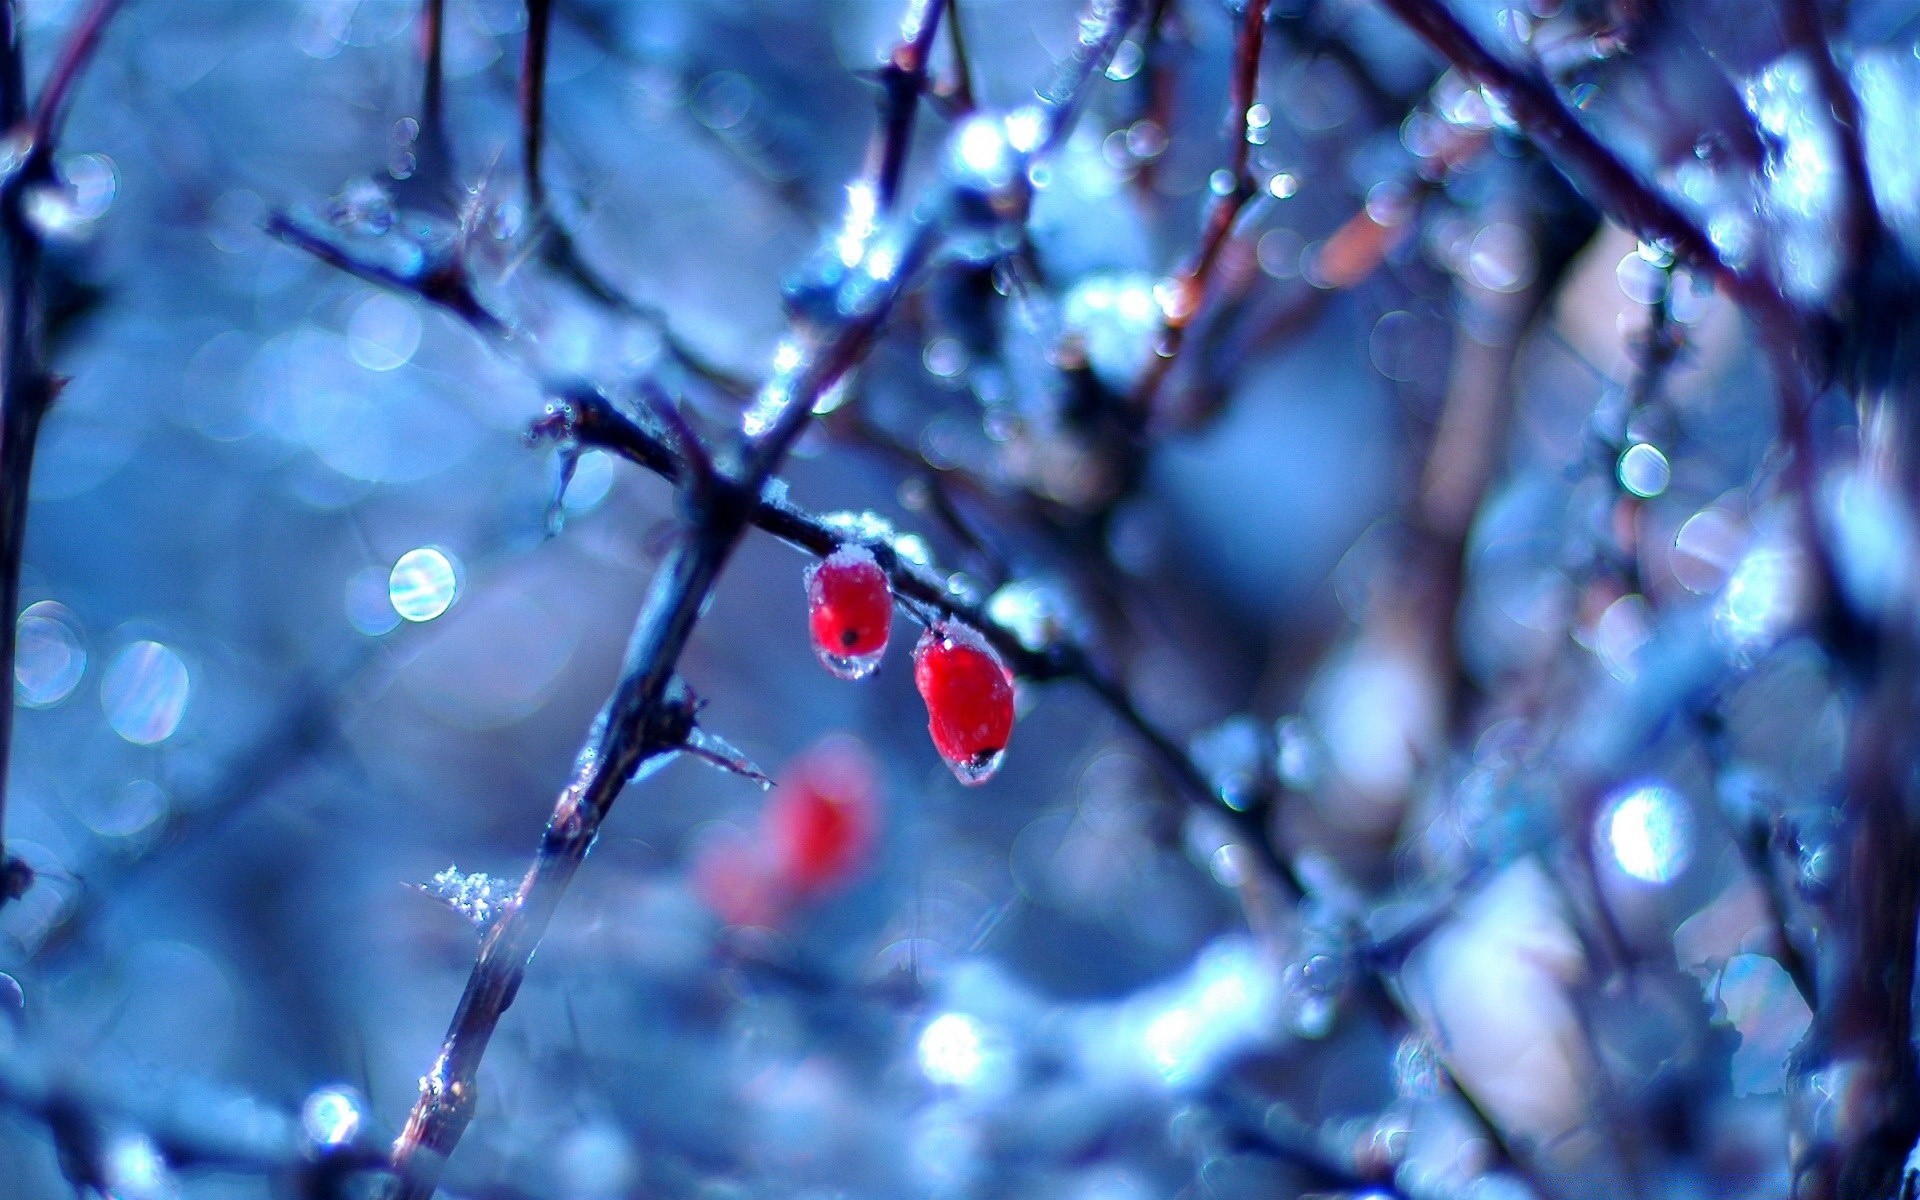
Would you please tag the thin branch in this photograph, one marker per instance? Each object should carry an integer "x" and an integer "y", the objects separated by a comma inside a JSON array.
[
  {"x": 433, "y": 166},
  {"x": 84, "y": 1118},
  {"x": 1191, "y": 286},
  {"x": 649, "y": 713},
  {"x": 903, "y": 80},
  {"x": 960, "y": 88},
  {"x": 27, "y": 385},
  {"x": 1597, "y": 171},
  {"x": 533, "y": 99},
  {"x": 557, "y": 247}
]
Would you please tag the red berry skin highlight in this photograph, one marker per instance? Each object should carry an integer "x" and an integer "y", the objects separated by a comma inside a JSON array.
[
  {"x": 823, "y": 818},
  {"x": 849, "y": 611},
  {"x": 969, "y": 697}
]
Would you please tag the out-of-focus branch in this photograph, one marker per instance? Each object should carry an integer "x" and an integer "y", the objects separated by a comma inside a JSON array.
[
  {"x": 1597, "y": 171},
  {"x": 960, "y": 89},
  {"x": 27, "y": 385},
  {"x": 1188, "y": 290},
  {"x": 903, "y": 80},
  {"x": 1806, "y": 29},
  {"x": 433, "y": 163},
  {"x": 91, "y": 1127},
  {"x": 557, "y": 248},
  {"x": 533, "y": 100}
]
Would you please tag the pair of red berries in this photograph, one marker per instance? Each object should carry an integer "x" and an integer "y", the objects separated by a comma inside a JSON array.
[{"x": 967, "y": 689}]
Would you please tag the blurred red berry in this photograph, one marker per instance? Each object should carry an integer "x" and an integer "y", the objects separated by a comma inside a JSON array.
[
  {"x": 823, "y": 817},
  {"x": 969, "y": 696},
  {"x": 849, "y": 611},
  {"x": 738, "y": 882}
]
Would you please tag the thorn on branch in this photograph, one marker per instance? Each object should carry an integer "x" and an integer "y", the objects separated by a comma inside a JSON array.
[{"x": 716, "y": 750}]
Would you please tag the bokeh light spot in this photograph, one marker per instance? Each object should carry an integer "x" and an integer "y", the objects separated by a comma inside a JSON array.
[
  {"x": 423, "y": 584},
  {"x": 48, "y": 657},
  {"x": 332, "y": 1116},
  {"x": 1649, "y": 833},
  {"x": 145, "y": 692},
  {"x": 1644, "y": 471},
  {"x": 951, "y": 1050}
]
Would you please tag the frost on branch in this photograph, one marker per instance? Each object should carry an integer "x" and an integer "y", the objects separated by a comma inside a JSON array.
[{"x": 475, "y": 895}]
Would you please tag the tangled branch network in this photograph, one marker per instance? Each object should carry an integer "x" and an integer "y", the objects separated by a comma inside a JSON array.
[{"x": 1403, "y": 510}]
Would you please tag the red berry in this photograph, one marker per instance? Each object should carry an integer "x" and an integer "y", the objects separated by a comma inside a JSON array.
[
  {"x": 849, "y": 611},
  {"x": 969, "y": 695},
  {"x": 823, "y": 817}
]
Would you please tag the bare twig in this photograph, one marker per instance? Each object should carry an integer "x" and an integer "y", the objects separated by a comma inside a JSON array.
[
  {"x": 433, "y": 162},
  {"x": 960, "y": 88},
  {"x": 1189, "y": 289},
  {"x": 533, "y": 100},
  {"x": 27, "y": 385},
  {"x": 1597, "y": 171},
  {"x": 903, "y": 80}
]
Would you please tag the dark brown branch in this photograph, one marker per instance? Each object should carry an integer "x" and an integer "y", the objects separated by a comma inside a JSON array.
[
  {"x": 649, "y": 713},
  {"x": 533, "y": 99},
  {"x": 903, "y": 80},
  {"x": 960, "y": 88},
  {"x": 27, "y": 385},
  {"x": 1597, "y": 171},
  {"x": 433, "y": 163},
  {"x": 1191, "y": 286}
]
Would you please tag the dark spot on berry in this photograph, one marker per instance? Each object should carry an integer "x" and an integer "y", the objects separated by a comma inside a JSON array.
[{"x": 848, "y": 637}]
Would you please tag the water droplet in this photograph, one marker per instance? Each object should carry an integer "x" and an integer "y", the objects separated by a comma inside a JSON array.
[
  {"x": 49, "y": 657},
  {"x": 1500, "y": 258},
  {"x": 851, "y": 666},
  {"x": 1706, "y": 549},
  {"x": 596, "y": 1162},
  {"x": 1030, "y": 611},
  {"x": 1644, "y": 470},
  {"x": 144, "y": 692},
  {"x": 332, "y": 1116},
  {"x": 363, "y": 206},
  {"x": 722, "y": 100},
  {"x": 50, "y": 208},
  {"x": 1649, "y": 832},
  {"x": 423, "y": 584},
  {"x": 977, "y": 770},
  {"x": 592, "y": 481},
  {"x": 1640, "y": 281}
]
